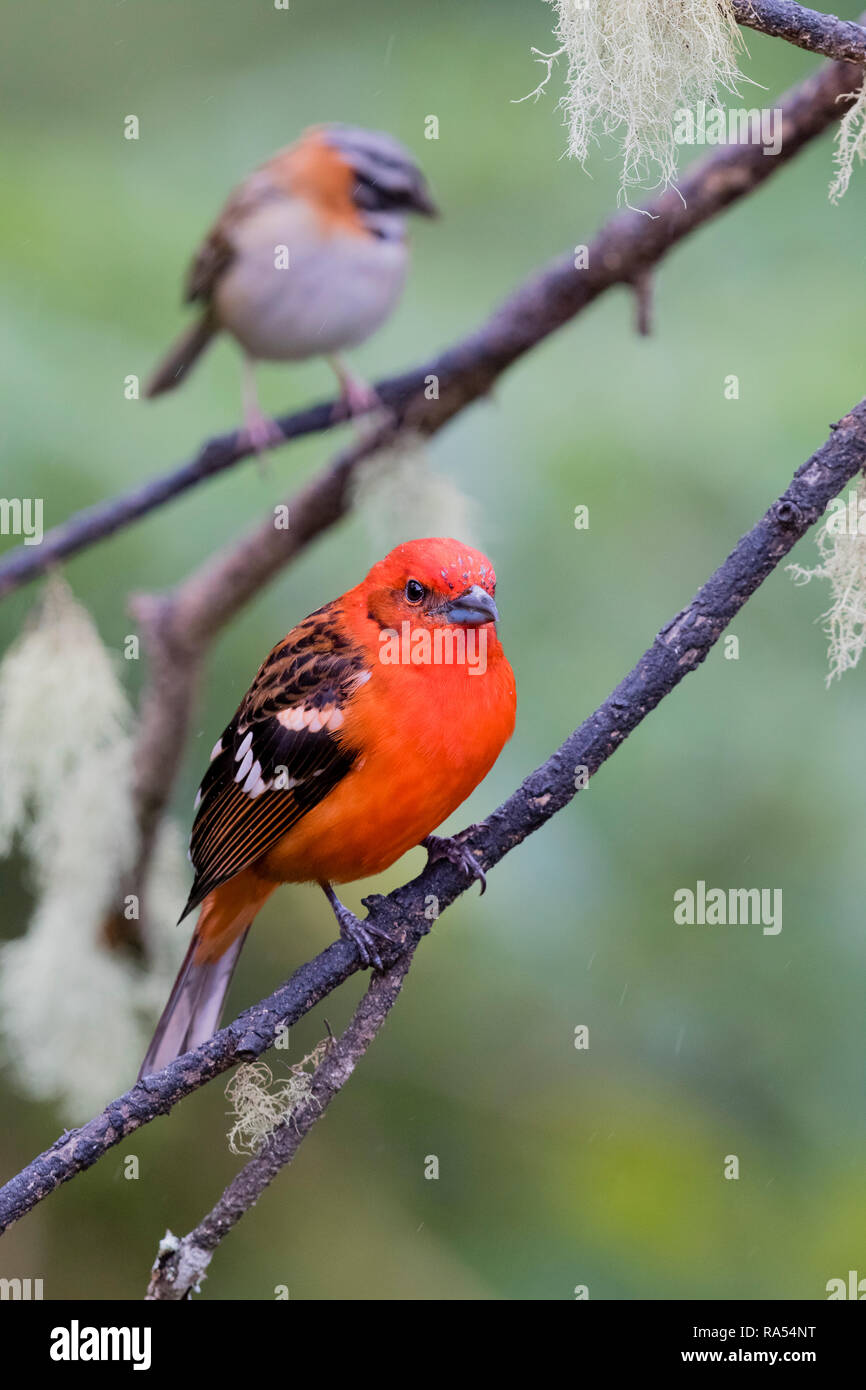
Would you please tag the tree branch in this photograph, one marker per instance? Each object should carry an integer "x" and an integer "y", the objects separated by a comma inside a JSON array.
[
  {"x": 811, "y": 29},
  {"x": 182, "y": 1264},
  {"x": 625, "y": 248},
  {"x": 680, "y": 647}
]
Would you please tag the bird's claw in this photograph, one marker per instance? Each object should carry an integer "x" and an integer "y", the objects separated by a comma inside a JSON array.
[
  {"x": 361, "y": 935},
  {"x": 438, "y": 847},
  {"x": 361, "y": 397},
  {"x": 260, "y": 433},
  {"x": 357, "y": 397}
]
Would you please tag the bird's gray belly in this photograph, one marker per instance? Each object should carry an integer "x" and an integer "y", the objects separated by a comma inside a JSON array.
[{"x": 330, "y": 296}]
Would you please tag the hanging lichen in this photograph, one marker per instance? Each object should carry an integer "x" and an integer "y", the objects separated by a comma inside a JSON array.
[
  {"x": 850, "y": 145},
  {"x": 398, "y": 494},
  {"x": 633, "y": 67},
  {"x": 71, "y": 1011},
  {"x": 842, "y": 563}
]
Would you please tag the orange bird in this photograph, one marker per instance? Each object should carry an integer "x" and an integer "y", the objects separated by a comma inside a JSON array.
[{"x": 365, "y": 727}]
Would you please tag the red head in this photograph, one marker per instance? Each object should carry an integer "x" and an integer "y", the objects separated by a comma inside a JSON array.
[{"x": 435, "y": 582}]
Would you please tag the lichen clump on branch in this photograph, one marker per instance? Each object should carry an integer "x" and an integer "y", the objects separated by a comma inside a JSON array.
[
  {"x": 259, "y": 1106},
  {"x": 632, "y": 65}
]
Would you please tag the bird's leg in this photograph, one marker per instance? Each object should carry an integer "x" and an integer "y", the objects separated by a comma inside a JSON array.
[
  {"x": 260, "y": 432},
  {"x": 455, "y": 853},
  {"x": 353, "y": 929},
  {"x": 357, "y": 395}
]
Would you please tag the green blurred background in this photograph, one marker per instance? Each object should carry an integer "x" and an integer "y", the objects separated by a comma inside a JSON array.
[{"x": 557, "y": 1167}]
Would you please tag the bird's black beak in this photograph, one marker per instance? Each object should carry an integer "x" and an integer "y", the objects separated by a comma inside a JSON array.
[
  {"x": 420, "y": 201},
  {"x": 474, "y": 608}
]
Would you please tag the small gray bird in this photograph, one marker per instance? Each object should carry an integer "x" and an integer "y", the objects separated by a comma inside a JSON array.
[{"x": 307, "y": 258}]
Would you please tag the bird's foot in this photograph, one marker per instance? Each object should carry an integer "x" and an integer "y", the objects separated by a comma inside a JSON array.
[
  {"x": 357, "y": 397},
  {"x": 359, "y": 933},
  {"x": 452, "y": 850},
  {"x": 261, "y": 433},
  {"x": 360, "y": 397}
]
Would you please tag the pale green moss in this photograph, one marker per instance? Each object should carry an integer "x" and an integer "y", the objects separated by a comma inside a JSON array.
[
  {"x": 72, "y": 1019},
  {"x": 259, "y": 1106},
  {"x": 850, "y": 145},
  {"x": 632, "y": 65},
  {"x": 842, "y": 563}
]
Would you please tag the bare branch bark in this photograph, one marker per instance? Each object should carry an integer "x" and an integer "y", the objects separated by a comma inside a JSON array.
[
  {"x": 182, "y": 1264},
  {"x": 625, "y": 248},
  {"x": 680, "y": 647},
  {"x": 811, "y": 29}
]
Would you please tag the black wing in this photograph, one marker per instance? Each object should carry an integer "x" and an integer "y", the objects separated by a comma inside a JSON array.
[{"x": 281, "y": 754}]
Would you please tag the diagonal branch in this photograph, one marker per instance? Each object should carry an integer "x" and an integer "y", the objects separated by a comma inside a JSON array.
[
  {"x": 407, "y": 913},
  {"x": 182, "y": 1264},
  {"x": 623, "y": 251}
]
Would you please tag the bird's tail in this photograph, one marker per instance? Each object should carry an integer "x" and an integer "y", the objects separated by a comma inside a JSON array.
[
  {"x": 194, "y": 1007},
  {"x": 175, "y": 365}
]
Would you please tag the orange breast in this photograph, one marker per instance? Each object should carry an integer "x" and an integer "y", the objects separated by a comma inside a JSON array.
[
  {"x": 429, "y": 735},
  {"x": 314, "y": 170}
]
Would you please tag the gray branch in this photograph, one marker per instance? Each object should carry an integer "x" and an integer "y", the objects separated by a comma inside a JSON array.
[
  {"x": 181, "y": 1264},
  {"x": 811, "y": 29}
]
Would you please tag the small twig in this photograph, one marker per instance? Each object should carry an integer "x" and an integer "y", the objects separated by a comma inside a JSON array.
[
  {"x": 181, "y": 1264},
  {"x": 643, "y": 299}
]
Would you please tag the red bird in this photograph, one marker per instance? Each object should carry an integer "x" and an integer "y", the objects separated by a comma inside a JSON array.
[{"x": 365, "y": 727}]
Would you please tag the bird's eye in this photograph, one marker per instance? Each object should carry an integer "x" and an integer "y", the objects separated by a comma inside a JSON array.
[{"x": 414, "y": 591}]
